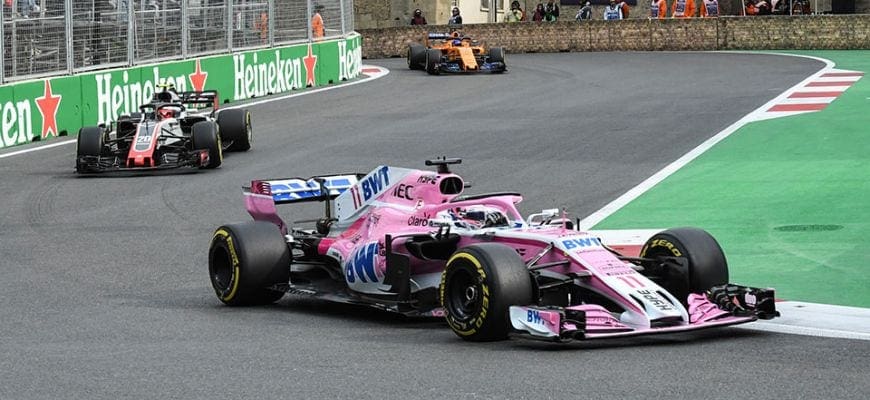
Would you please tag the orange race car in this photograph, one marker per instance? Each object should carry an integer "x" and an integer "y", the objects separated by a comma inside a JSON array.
[{"x": 455, "y": 52}]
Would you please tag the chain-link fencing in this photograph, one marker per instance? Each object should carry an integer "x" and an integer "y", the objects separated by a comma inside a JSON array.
[{"x": 55, "y": 37}]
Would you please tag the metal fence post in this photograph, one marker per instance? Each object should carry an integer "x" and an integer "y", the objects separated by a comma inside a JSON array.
[
  {"x": 68, "y": 22},
  {"x": 230, "y": 25},
  {"x": 2, "y": 50},
  {"x": 131, "y": 32},
  {"x": 271, "y": 24},
  {"x": 185, "y": 34},
  {"x": 341, "y": 6},
  {"x": 13, "y": 38},
  {"x": 308, "y": 21}
]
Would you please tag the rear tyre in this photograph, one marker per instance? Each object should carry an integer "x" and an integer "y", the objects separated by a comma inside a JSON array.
[
  {"x": 244, "y": 260},
  {"x": 90, "y": 143},
  {"x": 235, "y": 127},
  {"x": 416, "y": 56},
  {"x": 705, "y": 265},
  {"x": 478, "y": 286},
  {"x": 205, "y": 137},
  {"x": 433, "y": 58}
]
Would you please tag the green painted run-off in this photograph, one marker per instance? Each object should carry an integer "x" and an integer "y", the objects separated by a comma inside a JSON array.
[{"x": 788, "y": 199}]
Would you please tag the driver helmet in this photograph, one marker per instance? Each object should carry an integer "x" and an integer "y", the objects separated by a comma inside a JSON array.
[
  {"x": 164, "y": 96},
  {"x": 164, "y": 113},
  {"x": 455, "y": 10},
  {"x": 418, "y": 12},
  {"x": 475, "y": 217}
]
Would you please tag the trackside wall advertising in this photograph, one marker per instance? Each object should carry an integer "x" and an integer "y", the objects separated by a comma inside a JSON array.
[{"x": 51, "y": 107}]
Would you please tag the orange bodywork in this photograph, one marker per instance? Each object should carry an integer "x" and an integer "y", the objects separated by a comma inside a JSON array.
[{"x": 458, "y": 48}]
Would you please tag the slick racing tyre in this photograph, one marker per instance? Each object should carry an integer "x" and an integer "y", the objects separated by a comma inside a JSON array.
[
  {"x": 416, "y": 56},
  {"x": 433, "y": 58},
  {"x": 478, "y": 285},
  {"x": 496, "y": 54},
  {"x": 235, "y": 127},
  {"x": 90, "y": 143},
  {"x": 705, "y": 264},
  {"x": 244, "y": 260},
  {"x": 205, "y": 137}
]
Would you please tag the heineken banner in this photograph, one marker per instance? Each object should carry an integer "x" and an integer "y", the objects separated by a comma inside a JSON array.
[{"x": 51, "y": 107}]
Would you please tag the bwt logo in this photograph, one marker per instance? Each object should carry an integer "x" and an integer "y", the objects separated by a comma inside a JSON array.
[
  {"x": 362, "y": 264},
  {"x": 534, "y": 317},
  {"x": 581, "y": 242},
  {"x": 374, "y": 184}
]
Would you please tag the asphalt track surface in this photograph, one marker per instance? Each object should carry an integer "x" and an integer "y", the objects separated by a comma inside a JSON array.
[{"x": 105, "y": 286}]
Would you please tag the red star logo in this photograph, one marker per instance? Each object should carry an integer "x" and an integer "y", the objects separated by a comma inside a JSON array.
[
  {"x": 47, "y": 105},
  {"x": 310, "y": 61},
  {"x": 198, "y": 77}
]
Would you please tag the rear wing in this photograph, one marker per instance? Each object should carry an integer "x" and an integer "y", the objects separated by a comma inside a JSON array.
[
  {"x": 297, "y": 190},
  {"x": 200, "y": 100}
]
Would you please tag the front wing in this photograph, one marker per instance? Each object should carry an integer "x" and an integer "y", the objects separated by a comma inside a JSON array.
[
  {"x": 721, "y": 306},
  {"x": 113, "y": 163}
]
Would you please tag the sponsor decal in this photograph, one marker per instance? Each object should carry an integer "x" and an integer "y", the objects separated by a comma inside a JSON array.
[
  {"x": 198, "y": 77},
  {"x": 403, "y": 191},
  {"x": 370, "y": 186},
  {"x": 115, "y": 99},
  {"x": 662, "y": 243},
  {"x": 430, "y": 179},
  {"x": 534, "y": 317},
  {"x": 362, "y": 264},
  {"x": 48, "y": 105},
  {"x": 256, "y": 79},
  {"x": 581, "y": 243},
  {"x": 310, "y": 60},
  {"x": 16, "y": 124},
  {"x": 423, "y": 220},
  {"x": 349, "y": 60},
  {"x": 656, "y": 300}
]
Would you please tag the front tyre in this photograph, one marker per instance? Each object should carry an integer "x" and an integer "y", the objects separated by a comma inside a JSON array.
[
  {"x": 478, "y": 286},
  {"x": 705, "y": 264},
  {"x": 205, "y": 137},
  {"x": 89, "y": 144},
  {"x": 235, "y": 127},
  {"x": 433, "y": 59},
  {"x": 416, "y": 56},
  {"x": 244, "y": 260}
]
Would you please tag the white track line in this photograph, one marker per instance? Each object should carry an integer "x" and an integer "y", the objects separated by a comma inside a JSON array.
[
  {"x": 831, "y": 316},
  {"x": 635, "y": 192},
  {"x": 383, "y": 71}
]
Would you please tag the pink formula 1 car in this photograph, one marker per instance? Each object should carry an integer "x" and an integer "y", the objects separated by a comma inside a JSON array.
[{"x": 409, "y": 241}]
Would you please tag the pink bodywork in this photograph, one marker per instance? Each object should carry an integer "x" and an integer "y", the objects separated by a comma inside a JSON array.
[{"x": 396, "y": 201}]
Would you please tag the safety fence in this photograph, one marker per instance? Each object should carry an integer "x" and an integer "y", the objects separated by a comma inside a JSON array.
[
  {"x": 56, "y": 37},
  {"x": 41, "y": 109}
]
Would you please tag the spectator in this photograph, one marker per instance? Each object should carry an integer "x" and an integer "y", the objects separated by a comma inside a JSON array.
[
  {"x": 757, "y": 7},
  {"x": 612, "y": 11},
  {"x": 585, "y": 12},
  {"x": 709, "y": 8},
  {"x": 551, "y": 11},
  {"x": 455, "y": 19},
  {"x": 418, "y": 18},
  {"x": 516, "y": 13},
  {"x": 625, "y": 9},
  {"x": 658, "y": 9},
  {"x": 539, "y": 13},
  {"x": 317, "y": 23},
  {"x": 25, "y": 7},
  {"x": 683, "y": 9}
]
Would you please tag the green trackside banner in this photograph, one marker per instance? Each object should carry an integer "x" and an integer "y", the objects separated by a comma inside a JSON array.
[{"x": 42, "y": 109}]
